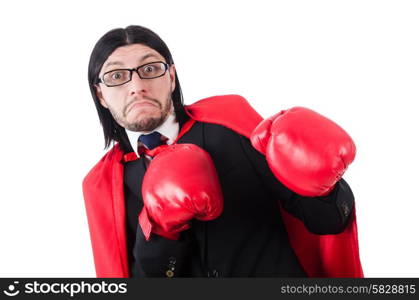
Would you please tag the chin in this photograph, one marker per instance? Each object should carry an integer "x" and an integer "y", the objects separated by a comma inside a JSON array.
[{"x": 146, "y": 124}]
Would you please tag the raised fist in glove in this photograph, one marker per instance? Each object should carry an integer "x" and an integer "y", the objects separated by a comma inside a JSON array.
[
  {"x": 306, "y": 151},
  {"x": 181, "y": 183}
]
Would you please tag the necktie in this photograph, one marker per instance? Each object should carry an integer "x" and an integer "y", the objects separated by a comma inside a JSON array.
[{"x": 151, "y": 140}]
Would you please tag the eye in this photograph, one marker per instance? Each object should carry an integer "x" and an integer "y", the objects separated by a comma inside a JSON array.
[
  {"x": 149, "y": 69},
  {"x": 152, "y": 70},
  {"x": 117, "y": 75}
]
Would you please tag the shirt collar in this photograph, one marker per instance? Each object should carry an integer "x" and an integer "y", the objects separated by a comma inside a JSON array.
[{"x": 169, "y": 128}]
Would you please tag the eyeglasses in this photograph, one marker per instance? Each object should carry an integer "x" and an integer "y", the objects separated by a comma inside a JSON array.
[{"x": 121, "y": 76}]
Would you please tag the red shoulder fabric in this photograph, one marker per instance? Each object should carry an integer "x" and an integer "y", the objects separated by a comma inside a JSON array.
[
  {"x": 320, "y": 255},
  {"x": 103, "y": 192},
  {"x": 232, "y": 111}
]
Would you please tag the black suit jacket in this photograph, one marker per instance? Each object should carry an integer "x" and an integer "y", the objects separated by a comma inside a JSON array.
[{"x": 249, "y": 238}]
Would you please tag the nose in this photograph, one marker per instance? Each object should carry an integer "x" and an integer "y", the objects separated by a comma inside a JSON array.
[{"x": 137, "y": 85}]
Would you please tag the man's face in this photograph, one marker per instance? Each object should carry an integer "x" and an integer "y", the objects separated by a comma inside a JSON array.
[{"x": 140, "y": 104}]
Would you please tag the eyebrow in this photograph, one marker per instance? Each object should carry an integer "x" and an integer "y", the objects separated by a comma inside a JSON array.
[{"x": 118, "y": 63}]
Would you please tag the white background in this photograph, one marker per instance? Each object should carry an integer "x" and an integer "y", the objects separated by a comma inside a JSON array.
[{"x": 356, "y": 62}]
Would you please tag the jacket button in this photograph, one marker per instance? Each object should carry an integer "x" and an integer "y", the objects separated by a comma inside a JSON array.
[
  {"x": 345, "y": 209},
  {"x": 172, "y": 260}
]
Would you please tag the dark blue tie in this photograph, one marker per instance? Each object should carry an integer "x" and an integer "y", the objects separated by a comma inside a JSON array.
[{"x": 151, "y": 140}]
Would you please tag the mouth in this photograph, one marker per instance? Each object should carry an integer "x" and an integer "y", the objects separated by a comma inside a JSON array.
[{"x": 141, "y": 103}]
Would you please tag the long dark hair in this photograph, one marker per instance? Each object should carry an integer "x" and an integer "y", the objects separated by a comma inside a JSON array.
[{"x": 104, "y": 47}]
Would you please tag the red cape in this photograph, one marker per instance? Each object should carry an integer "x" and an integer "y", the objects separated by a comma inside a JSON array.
[{"x": 320, "y": 255}]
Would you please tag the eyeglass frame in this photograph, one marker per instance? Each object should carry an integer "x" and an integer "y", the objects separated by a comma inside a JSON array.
[{"x": 166, "y": 66}]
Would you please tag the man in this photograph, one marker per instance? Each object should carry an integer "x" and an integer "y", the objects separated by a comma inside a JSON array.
[{"x": 210, "y": 189}]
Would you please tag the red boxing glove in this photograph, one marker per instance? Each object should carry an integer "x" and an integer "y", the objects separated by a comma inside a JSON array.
[
  {"x": 306, "y": 151},
  {"x": 181, "y": 183}
]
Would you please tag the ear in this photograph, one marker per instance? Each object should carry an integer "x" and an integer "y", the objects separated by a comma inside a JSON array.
[
  {"x": 172, "y": 73},
  {"x": 100, "y": 96}
]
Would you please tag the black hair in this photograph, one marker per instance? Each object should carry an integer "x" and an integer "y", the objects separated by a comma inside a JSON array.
[{"x": 107, "y": 44}]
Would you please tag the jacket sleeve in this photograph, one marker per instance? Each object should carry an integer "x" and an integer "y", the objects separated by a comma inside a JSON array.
[{"x": 321, "y": 215}]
